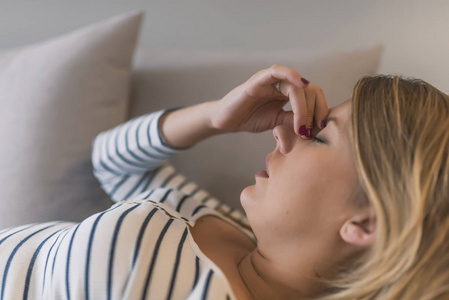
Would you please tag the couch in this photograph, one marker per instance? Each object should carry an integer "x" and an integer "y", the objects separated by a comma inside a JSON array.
[{"x": 57, "y": 95}]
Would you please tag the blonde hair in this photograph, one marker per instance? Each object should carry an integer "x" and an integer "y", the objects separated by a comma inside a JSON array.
[{"x": 400, "y": 133}]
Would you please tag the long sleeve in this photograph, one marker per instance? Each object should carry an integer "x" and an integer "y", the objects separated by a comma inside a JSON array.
[
  {"x": 132, "y": 158},
  {"x": 139, "y": 248}
]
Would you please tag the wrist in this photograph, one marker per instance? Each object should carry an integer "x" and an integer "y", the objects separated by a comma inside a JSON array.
[
  {"x": 210, "y": 110},
  {"x": 185, "y": 127}
]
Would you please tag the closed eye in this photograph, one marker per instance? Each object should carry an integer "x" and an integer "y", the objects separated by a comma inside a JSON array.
[{"x": 317, "y": 140}]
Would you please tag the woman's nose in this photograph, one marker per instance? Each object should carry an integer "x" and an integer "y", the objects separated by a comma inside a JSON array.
[{"x": 284, "y": 138}]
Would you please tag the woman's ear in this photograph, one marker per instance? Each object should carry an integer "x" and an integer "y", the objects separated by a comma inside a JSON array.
[{"x": 360, "y": 230}]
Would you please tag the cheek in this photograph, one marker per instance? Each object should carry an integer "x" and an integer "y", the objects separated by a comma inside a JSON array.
[
  {"x": 296, "y": 202},
  {"x": 301, "y": 182},
  {"x": 289, "y": 205},
  {"x": 306, "y": 195}
]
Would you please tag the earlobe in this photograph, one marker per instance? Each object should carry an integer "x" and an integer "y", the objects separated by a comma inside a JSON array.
[{"x": 359, "y": 232}]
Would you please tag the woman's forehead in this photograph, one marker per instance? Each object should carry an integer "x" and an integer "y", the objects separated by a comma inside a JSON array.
[
  {"x": 341, "y": 114},
  {"x": 339, "y": 117}
]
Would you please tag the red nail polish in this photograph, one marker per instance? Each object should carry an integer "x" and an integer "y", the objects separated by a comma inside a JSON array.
[
  {"x": 323, "y": 124},
  {"x": 309, "y": 132},
  {"x": 305, "y": 80},
  {"x": 302, "y": 130}
]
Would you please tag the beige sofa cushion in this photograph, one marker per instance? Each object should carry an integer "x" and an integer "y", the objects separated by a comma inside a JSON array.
[
  {"x": 55, "y": 97},
  {"x": 226, "y": 164}
]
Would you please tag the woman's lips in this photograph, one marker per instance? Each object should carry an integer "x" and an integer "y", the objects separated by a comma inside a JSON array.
[
  {"x": 263, "y": 173},
  {"x": 267, "y": 158}
]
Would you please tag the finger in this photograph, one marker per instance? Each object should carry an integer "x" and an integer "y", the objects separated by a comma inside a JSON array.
[
  {"x": 270, "y": 76},
  {"x": 310, "y": 101},
  {"x": 321, "y": 108},
  {"x": 285, "y": 118},
  {"x": 298, "y": 102}
]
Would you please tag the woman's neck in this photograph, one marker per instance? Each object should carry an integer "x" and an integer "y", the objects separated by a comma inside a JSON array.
[{"x": 264, "y": 280}]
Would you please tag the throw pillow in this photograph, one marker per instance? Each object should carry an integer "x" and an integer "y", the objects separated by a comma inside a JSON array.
[{"x": 55, "y": 97}]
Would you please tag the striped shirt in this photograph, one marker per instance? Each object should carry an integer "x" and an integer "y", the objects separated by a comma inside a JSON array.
[{"x": 140, "y": 248}]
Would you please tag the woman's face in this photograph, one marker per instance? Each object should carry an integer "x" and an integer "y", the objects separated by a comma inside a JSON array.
[{"x": 310, "y": 188}]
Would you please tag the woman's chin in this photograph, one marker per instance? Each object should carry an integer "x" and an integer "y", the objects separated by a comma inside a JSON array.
[{"x": 247, "y": 196}]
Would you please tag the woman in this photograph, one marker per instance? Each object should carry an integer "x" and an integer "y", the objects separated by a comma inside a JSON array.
[{"x": 353, "y": 204}]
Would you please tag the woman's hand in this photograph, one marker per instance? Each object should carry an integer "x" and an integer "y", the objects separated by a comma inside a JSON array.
[{"x": 257, "y": 106}]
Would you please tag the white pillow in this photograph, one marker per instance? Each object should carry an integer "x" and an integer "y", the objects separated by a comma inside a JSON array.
[
  {"x": 55, "y": 97},
  {"x": 226, "y": 164}
]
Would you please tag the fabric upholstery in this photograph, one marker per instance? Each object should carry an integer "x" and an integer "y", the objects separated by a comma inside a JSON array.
[
  {"x": 55, "y": 97},
  {"x": 224, "y": 165}
]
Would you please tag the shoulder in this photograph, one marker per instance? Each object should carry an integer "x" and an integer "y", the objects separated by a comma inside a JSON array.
[{"x": 210, "y": 229}]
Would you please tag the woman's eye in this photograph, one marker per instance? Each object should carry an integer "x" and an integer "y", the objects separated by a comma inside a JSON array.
[{"x": 316, "y": 139}]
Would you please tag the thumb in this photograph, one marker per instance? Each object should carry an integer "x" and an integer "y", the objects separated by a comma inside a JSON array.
[
  {"x": 309, "y": 124},
  {"x": 285, "y": 118}
]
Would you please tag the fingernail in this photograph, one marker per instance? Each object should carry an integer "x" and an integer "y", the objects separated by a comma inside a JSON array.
[
  {"x": 309, "y": 132},
  {"x": 302, "y": 130},
  {"x": 323, "y": 124},
  {"x": 305, "y": 80}
]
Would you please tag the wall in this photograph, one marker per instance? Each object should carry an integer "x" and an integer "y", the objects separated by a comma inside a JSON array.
[{"x": 414, "y": 32}]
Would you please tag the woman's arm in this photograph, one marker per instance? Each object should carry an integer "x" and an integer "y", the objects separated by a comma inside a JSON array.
[
  {"x": 183, "y": 128},
  {"x": 253, "y": 106},
  {"x": 130, "y": 158}
]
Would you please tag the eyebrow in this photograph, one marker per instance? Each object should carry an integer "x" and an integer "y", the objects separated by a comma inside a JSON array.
[
  {"x": 336, "y": 122},
  {"x": 332, "y": 119}
]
